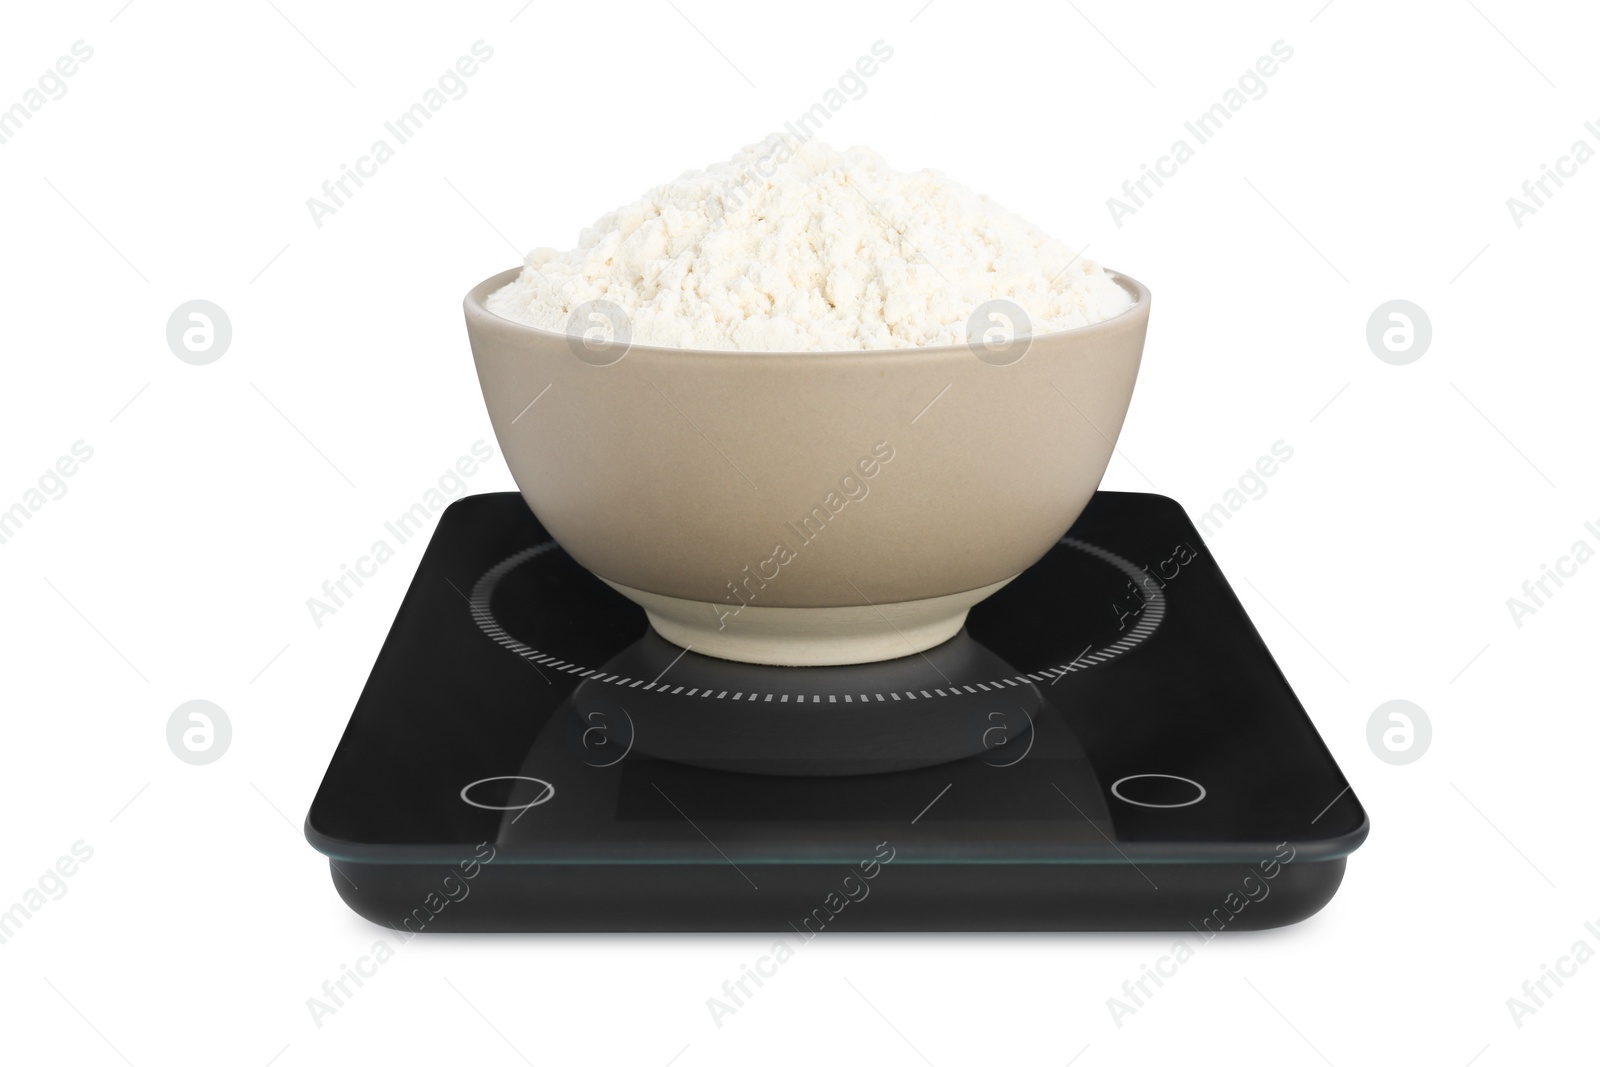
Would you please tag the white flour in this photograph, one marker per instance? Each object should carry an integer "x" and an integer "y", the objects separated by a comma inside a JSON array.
[{"x": 791, "y": 247}]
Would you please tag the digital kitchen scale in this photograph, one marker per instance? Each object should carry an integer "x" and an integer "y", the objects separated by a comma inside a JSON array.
[{"x": 1108, "y": 745}]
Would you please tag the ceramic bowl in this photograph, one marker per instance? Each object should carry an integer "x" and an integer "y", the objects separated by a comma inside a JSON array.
[{"x": 806, "y": 508}]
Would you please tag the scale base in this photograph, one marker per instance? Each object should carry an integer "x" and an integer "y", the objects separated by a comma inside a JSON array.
[
  {"x": 1106, "y": 744},
  {"x": 570, "y": 899}
]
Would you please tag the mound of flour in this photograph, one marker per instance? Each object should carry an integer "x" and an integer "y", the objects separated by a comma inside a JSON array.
[{"x": 799, "y": 247}]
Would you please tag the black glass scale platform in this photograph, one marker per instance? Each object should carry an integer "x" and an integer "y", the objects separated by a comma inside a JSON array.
[{"x": 1107, "y": 745}]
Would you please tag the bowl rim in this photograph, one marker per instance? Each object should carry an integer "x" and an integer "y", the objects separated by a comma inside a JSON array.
[{"x": 477, "y": 310}]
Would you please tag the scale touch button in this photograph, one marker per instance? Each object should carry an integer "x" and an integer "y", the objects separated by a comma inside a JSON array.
[
  {"x": 1158, "y": 791},
  {"x": 507, "y": 792}
]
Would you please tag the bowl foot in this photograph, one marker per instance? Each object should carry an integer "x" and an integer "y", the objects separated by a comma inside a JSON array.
[{"x": 808, "y": 637}]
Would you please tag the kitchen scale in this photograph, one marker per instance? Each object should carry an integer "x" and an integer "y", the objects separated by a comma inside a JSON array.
[{"x": 1107, "y": 745}]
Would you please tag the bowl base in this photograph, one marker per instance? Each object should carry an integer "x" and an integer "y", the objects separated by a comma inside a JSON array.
[{"x": 808, "y": 637}]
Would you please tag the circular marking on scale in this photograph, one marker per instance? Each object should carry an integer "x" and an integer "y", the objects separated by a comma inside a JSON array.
[
  {"x": 1116, "y": 786},
  {"x": 1155, "y": 609},
  {"x": 544, "y": 794}
]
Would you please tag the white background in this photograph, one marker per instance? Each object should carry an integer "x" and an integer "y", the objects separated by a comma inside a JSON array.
[{"x": 1377, "y": 565}]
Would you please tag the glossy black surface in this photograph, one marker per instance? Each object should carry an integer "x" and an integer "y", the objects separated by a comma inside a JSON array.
[{"x": 1085, "y": 695}]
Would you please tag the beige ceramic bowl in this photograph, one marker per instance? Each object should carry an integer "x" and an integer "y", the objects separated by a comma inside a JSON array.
[{"x": 806, "y": 508}]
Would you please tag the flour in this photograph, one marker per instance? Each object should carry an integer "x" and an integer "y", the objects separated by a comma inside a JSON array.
[{"x": 799, "y": 247}]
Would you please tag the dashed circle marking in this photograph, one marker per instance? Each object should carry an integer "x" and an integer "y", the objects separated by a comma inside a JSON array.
[{"x": 1150, "y": 619}]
